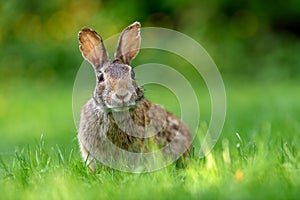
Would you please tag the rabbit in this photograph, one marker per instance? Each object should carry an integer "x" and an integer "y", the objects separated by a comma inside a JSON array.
[{"x": 118, "y": 112}]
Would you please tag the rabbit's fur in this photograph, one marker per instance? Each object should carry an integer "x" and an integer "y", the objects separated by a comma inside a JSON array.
[{"x": 118, "y": 110}]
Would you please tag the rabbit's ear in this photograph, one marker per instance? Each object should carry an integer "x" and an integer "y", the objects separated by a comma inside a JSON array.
[
  {"x": 129, "y": 43},
  {"x": 92, "y": 47}
]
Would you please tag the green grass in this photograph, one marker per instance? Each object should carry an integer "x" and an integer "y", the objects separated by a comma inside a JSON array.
[
  {"x": 256, "y": 157},
  {"x": 252, "y": 170}
]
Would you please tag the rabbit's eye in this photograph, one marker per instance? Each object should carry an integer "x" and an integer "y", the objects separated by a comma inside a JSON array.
[
  {"x": 100, "y": 77},
  {"x": 132, "y": 74}
]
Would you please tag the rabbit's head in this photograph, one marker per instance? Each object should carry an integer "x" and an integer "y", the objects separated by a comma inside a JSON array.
[{"x": 116, "y": 88}]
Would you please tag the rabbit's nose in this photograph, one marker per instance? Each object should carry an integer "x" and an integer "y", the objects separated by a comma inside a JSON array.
[{"x": 122, "y": 96}]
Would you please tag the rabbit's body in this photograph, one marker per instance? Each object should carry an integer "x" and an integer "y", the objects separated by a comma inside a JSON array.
[
  {"x": 118, "y": 111},
  {"x": 96, "y": 123}
]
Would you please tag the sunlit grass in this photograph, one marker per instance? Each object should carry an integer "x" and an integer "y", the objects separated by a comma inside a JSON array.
[{"x": 40, "y": 172}]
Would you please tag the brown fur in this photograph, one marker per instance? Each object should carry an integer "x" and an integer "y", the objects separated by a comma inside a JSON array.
[{"x": 118, "y": 111}]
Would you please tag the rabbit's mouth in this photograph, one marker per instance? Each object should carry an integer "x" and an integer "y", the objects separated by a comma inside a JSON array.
[
  {"x": 105, "y": 107},
  {"x": 120, "y": 108}
]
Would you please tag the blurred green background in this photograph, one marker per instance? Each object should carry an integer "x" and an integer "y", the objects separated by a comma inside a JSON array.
[{"x": 255, "y": 44}]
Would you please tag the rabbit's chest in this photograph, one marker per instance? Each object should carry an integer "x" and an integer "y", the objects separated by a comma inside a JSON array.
[{"x": 126, "y": 134}]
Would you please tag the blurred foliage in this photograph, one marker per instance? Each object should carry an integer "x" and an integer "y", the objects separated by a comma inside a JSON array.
[{"x": 255, "y": 39}]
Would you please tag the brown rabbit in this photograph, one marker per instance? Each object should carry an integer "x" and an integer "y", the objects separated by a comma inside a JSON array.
[{"x": 118, "y": 116}]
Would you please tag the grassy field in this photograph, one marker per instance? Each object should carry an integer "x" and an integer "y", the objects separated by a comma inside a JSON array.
[
  {"x": 256, "y": 157},
  {"x": 254, "y": 45}
]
